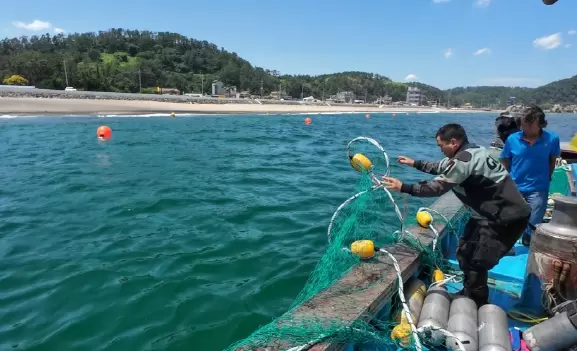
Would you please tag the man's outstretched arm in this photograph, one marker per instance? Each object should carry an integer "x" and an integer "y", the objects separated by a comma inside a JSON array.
[
  {"x": 454, "y": 173},
  {"x": 431, "y": 167}
]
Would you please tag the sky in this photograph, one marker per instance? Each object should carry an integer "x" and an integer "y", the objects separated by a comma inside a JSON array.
[{"x": 444, "y": 43}]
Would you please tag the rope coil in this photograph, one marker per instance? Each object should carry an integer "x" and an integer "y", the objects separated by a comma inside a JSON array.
[{"x": 377, "y": 185}]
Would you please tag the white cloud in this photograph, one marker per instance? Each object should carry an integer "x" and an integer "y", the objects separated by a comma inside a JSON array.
[
  {"x": 440, "y": 1},
  {"x": 572, "y": 32},
  {"x": 34, "y": 26},
  {"x": 483, "y": 51},
  {"x": 448, "y": 53},
  {"x": 567, "y": 46},
  {"x": 411, "y": 77},
  {"x": 482, "y": 3},
  {"x": 512, "y": 81},
  {"x": 548, "y": 42},
  {"x": 37, "y": 26}
]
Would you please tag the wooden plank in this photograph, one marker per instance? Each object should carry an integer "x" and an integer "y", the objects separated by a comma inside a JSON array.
[{"x": 347, "y": 300}]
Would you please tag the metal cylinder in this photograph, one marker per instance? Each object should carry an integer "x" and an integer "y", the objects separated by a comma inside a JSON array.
[
  {"x": 553, "y": 244},
  {"x": 493, "y": 329},
  {"x": 556, "y": 333},
  {"x": 435, "y": 313},
  {"x": 463, "y": 324}
]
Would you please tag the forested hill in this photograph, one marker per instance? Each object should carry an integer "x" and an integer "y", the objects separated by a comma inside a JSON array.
[
  {"x": 123, "y": 60},
  {"x": 558, "y": 92},
  {"x": 115, "y": 60}
]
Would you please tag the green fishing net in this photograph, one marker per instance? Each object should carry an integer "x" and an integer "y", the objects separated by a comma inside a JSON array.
[
  {"x": 560, "y": 182},
  {"x": 313, "y": 317}
]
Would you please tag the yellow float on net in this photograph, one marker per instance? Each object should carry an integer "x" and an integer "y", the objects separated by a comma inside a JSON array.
[
  {"x": 401, "y": 333},
  {"x": 424, "y": 219},
  {"x": 438, "y": 275},
  {"x": 365, "y": 249},
  {"x": 361, "y": 163}
]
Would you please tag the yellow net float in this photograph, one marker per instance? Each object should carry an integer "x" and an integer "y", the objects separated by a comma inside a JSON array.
[
  {"x": 424, "y": 219},
  {"x": 361, "y": 163},
  {"x": 438, "y": 275},
  {"x": 401, "y": 333},
  {"x": 365, "y": 249}
]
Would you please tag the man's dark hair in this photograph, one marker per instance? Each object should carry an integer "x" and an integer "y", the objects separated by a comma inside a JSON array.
[
  {"x": 452, "y": 131},
  {"x": 534, "y": 113}
]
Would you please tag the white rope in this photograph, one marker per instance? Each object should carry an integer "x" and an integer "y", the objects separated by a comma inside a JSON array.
[
  {"x": 377, "y": 185},
  {"x": 406, "y": 309},
  {"x": 448, "y": 279},
  {"x": 375, "y": 143},
  {"x": 331, "y": 223},
  {"x": 436, "y": 238},
  {"x": 307, "y": 345}
]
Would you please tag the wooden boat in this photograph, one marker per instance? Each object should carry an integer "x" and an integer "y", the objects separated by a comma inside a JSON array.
[{"x": 516, "y": 284}]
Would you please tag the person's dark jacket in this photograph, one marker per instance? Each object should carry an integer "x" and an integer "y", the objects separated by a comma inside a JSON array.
[{"x": 478, "y": 180}]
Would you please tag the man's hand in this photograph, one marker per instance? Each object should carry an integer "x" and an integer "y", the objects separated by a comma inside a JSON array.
[
  {"x": 404, "y": 160},
  {"x": 392, "y": 183}
]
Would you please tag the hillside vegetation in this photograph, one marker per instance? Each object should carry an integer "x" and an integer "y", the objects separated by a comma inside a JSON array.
[
  {"x": 122, "y": 60},
  {"x": 559, "y": 92}
]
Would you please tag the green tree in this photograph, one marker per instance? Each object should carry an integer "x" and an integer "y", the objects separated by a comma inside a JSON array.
[
  {"x": 119, "y": 59},
  {"x": 15, "y": 80}
]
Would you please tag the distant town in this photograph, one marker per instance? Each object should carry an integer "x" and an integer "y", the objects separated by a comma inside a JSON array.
[{"x": 414, "y": 97}]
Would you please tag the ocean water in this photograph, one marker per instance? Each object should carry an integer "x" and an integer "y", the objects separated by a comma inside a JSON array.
[{"x": 184, "y": 233}]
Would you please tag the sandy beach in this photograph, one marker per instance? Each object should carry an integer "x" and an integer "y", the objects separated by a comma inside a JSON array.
[{"x": 75, "y": 107}]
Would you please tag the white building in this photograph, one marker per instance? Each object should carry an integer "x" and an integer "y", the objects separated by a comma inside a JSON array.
[
  {"x": 414, "y": 96},
  {"x": 217, "y": 87}
]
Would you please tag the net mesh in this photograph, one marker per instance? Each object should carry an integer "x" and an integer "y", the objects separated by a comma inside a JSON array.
[
  {"x": 560, "y": 182},
  {"x": 370, "y": 216}
]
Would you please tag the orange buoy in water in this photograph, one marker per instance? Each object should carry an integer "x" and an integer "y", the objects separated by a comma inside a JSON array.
[
  {"x": 367, "y": 116},
  {"x": 308, "y": 120},
  {"x": 104, "y": 132}
]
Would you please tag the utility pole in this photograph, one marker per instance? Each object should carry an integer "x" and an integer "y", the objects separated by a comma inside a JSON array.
[
  {"x": 302, "y": 91},
  {"x": 202, "y": 83},
  {"x": 65, "y": 73},
  {"x": 261, "y": 88},
  {"x": 140, "y": 81}
]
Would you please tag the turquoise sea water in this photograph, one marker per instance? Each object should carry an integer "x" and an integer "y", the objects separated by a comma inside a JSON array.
[{"x": 178, "y": 234}]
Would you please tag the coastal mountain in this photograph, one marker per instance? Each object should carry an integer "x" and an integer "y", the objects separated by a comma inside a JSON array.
[
  {"x": 122, "y": 60},
  {"x": 563, "y": 91}
]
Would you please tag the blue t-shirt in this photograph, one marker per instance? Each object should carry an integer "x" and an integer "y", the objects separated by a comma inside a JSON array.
[{"x": 530, "y": 163}]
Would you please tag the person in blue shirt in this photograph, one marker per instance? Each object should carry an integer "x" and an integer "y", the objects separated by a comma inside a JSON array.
[{"x": 529, "y": 155}]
